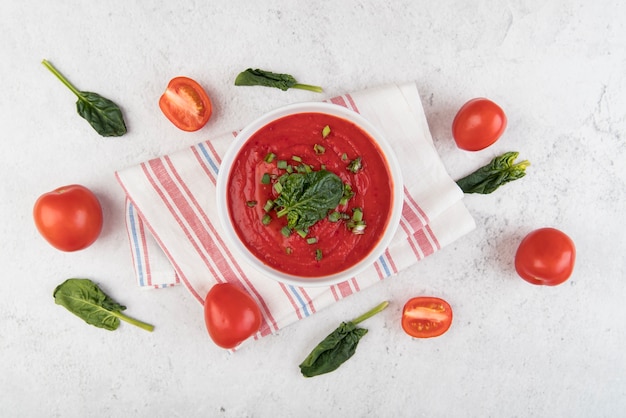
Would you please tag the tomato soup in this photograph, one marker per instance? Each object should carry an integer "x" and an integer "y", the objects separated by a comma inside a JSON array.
[{"x": 306, "y": 142}]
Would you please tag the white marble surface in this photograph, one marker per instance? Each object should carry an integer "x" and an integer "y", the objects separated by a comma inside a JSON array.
[{"x": 558, "y": 68}]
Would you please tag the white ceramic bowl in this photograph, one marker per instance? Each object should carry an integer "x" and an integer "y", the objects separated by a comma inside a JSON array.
[{"x": 315, "y": 107}]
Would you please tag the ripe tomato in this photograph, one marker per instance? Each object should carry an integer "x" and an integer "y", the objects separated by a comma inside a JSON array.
[
  {"x": 69, "y": 218},
  {"x": 231, "y": 315},
  {"x": 186, "y": 104},
  {"x": 478, "y": 124},
  {"x": 546, "y": 256},
  {"x": 426, "y": 317}
]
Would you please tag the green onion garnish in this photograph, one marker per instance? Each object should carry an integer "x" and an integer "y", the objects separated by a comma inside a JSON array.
[
  {"x": 296, "y": 158},
  {"x": 301, "y": 233},
  {"x": 319, "y": 149},
  {"x": 266, "y": 219},
  {"x": 265, "y": 179},
  {"x": 325, "y": 131},
  {"x": 269, "y": 205},
  {"x": 318, "y": 254},
  {"x": 282, "y": 164},
  {"x": 334, "y": 216},
  {"x": 269, "y": 157},
  {"x": 278, "y": 187},
  {"x": 286, "y": 231},
  {"x": 311, "y": 240},
  {"x": 344, "y": 157},
  {"x": 251, "y": 203},
  {"x": 355, "y": 165}
]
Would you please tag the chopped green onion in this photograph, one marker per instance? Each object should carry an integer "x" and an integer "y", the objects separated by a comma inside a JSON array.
[
  {"x": 325, "y": 131},
  {"x": 318, "y": 254},
  {"x": 301, "y": 233},
  {"x": 266, "y": 219},
  {"x": 308, "y": 168},
  {"x": 251, "y": 203},
  {"x": 357, "y": 224},
  {"x": 288, "y": 250},
  {"x": 311, "y": 240},
  {"x": 319, "y": 149},
  {"x": 282, "y": 164},
  {"x": 289, "y": 169},
  {"x": 357, "y": 214},
  {"x": 344, "y": 157},
  {"x": 347, "y": 194},
  {"x": 323, "y": 167},
  {"x": 286, "y": 231},
  {"x": 296, "y": 158},
  {"x": 334, "y": 216},
  {"x": 278, "y": 187},
  {"x": 269, "y": 157},
  {"x": 269, "y": 205},
  {"x": 265, "y": 179},
  {"x": 355, "y": 165}
]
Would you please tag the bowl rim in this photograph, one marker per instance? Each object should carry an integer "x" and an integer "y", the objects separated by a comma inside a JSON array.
[{"x": 309, "y": 107}]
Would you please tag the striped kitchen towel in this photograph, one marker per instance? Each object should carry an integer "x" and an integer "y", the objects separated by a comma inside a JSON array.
[{"x": 176, "y": 237}]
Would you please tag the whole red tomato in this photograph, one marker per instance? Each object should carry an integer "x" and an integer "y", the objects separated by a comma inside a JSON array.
[
  {"x": 426, "y": 317},
  {"x": 231, "y": 315},
  {"x": 478, "y": 124},
  {"x": 69, "y": 218},
  {"x": 546, "y": 256}
]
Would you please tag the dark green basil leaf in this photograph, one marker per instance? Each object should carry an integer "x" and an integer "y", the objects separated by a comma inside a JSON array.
[
  {"x": 499, "y": 171},
  {"x": 284, "y": 82},
  {"x": 338, "y": 346},
  {"x": 306, "y": 198},
  {"x": 86, "y": 300},
  {"x": 101, "y": 113},
  {"x": 333, "y": 351}
]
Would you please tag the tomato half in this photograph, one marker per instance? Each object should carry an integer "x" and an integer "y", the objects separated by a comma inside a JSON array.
[
  {"x": 69, "y": 218},
  {"x": 478, "y": 124},
  {"x": 186, "y": 104},
  {"x": 546, "y": 256},
  {"x": 426, "y": 317},
  {"x": 231, "y": 315}
]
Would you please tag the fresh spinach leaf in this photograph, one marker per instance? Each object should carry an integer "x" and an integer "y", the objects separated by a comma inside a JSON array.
[
  {"x": 101, "y": 113},
  {"x": 86, "y": 300},
  {"x": 338, "y": 346},
  {"x": 307, "y": 197},
  {"x": 284, "y": 82},
  {"x": 499, "y": 171}
]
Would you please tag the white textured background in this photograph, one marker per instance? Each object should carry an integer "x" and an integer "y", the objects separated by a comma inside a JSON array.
[{"x": 558, "y": 68}]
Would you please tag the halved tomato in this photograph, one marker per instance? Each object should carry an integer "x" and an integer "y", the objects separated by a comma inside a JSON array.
[
  {"x": 186, "y": 104},
  {"x": 426, "y": 317}
]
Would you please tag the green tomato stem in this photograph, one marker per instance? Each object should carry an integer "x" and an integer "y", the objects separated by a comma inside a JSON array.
[
  {"x": 62, "y": 78},
  {"x": 133, "y": 321},
  {"x": 370, "y": 313},
  {"x": 309, "y": 87}
]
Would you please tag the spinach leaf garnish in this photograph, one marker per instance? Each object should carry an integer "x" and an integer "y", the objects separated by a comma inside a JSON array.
[
  {"x": 499, "y": 171},
  {"x": 101, "y": 113},
  {"x": 284, "y": 82},
  {"x": 307, "y": 197},
  {"x": 338, "y": 346},
  {"x": 86, "y": 300}
]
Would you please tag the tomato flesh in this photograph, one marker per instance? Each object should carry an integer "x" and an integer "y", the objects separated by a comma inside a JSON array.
[
  {"x": 546, "y": 256},
  {"x": 231, "y": 315},
  {"x": 426, "y": 317},
  {"x": 69, "y": 217},
  {"x": 186, "y": 104},
  {"x": 478, "y": 124}
]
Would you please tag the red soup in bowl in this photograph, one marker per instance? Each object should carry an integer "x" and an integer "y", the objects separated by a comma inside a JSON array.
[{"x": 310, "y": 194}]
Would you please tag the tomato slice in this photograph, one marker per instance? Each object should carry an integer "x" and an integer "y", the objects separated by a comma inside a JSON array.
[
  {"x": 426, "y": 317},
  {"x": 186, "y": 104}
]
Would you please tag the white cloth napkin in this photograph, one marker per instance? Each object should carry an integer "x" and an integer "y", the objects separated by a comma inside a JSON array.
[{"x": 176, "y": 237}]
